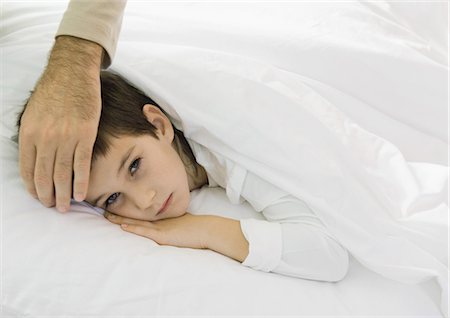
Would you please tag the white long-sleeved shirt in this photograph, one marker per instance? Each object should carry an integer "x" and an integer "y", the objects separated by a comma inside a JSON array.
[{"x": 291, "y": 240}]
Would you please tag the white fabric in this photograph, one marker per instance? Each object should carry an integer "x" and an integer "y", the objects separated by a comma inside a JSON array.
[
  {"x": 294, "y": 242},
  {"x": 265, "y": 244},
  {"x": 309, "y": 251},
  {"x": 79, "y": 264},
  {"x": 379, "y": 206}
]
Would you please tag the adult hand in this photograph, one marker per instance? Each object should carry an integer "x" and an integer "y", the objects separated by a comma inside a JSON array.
[{"x": 59, "y": 125}]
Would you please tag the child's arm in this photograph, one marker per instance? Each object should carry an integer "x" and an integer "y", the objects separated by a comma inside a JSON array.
[
  {"x": 219, "y": 234},
  {"x": 294, "y": 242},
  {"x": 226, "y": 237}
]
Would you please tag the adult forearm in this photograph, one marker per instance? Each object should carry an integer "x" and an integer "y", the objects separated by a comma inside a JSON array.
[
  {"x": 225, "y": 237},
  {"x": 73, "y": 68},
  {"x": 99, "y": 21},
  {"x": 75, "y": 53}
]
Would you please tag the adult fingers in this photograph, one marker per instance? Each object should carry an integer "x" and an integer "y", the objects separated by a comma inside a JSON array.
[
  {"x": 43, "y": 175},
  {"x": 27, "y": 160},
  {"x": 62, "y": 176},
  {"x": 82, "y": 168}
]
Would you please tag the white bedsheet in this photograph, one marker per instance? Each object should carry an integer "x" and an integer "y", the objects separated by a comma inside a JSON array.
[{"x": 78, "y": 263}]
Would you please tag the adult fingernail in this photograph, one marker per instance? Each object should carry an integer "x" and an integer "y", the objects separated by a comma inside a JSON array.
[
  {"x": 62, "y": 208},
  {"x": 33, "y": 194},
  {"x": 79, "y": 196}
]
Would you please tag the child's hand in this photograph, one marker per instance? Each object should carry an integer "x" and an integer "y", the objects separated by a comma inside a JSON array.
[{"x": 184, "y": 231}]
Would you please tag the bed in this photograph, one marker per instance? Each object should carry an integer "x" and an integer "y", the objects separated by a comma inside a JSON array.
[{"x": 78, "y": 264}]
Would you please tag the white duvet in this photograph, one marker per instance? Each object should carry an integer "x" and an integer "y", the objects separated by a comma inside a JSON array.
[{"x": 359, "y": 92}]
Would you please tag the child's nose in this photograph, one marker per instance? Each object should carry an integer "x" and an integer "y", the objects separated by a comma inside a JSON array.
[{"x": 144, "y": 199}]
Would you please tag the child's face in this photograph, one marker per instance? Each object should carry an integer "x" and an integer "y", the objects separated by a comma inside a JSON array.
[{"x": 151, "y": 172}]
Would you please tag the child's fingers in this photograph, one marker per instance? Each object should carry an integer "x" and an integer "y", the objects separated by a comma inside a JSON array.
[
  {"x": 120, "y": 219},
  {"x": 138, "y": 229}
]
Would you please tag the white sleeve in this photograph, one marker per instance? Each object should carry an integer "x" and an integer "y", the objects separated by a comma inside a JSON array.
[{"x": 294, "y": 242}]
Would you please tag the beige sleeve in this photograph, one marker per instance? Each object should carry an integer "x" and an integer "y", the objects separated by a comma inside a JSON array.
[{"x": 98, "y": 21}]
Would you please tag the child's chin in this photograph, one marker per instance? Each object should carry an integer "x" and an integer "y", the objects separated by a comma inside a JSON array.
[{"x": 181, "y": 213}]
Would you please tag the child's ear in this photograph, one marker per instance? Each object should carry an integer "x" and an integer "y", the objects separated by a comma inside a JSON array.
[{"x": 155, "y": 116}]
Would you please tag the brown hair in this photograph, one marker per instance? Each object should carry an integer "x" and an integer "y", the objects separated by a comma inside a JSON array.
[{"x": 121, "y": 115}]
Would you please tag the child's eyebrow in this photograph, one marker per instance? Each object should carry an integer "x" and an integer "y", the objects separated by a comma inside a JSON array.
[{"x": 125, "y": 158}]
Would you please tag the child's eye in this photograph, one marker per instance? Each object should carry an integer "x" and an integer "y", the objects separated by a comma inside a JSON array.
[
  {"x": 134, "y": 165},
  {"x": 112, "y": 198}
]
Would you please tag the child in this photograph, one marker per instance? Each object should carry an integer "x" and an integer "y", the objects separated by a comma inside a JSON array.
[{"x": 143, "y": 170}]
